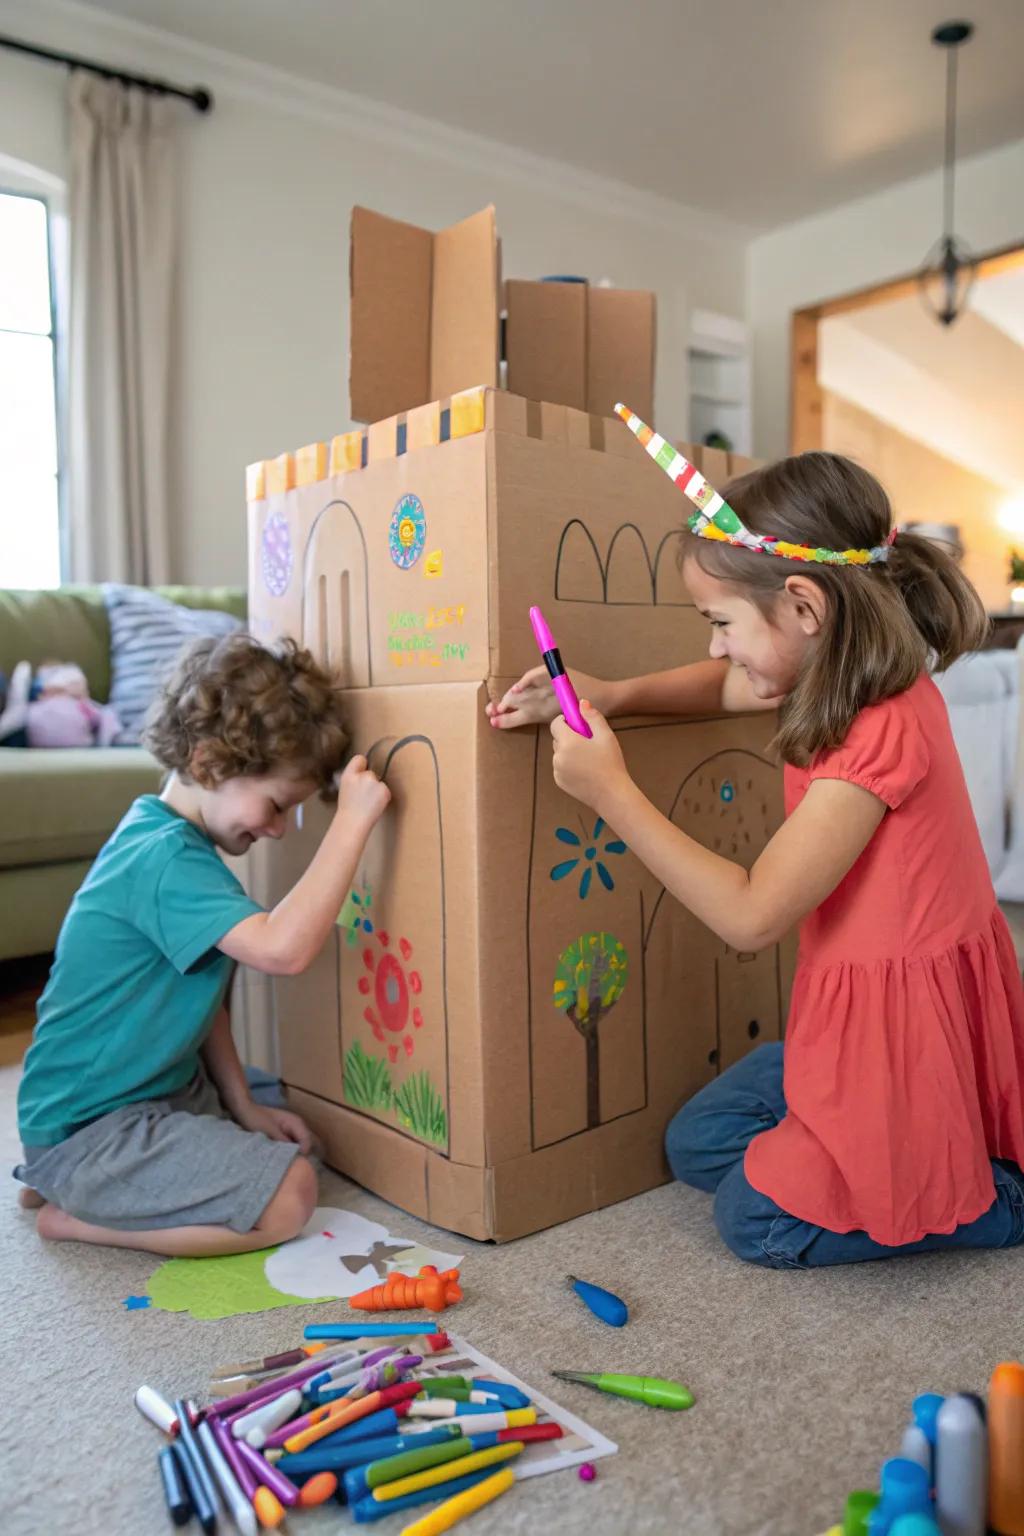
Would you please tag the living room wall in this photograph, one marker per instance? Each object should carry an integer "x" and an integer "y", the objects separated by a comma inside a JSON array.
[{"x": 268, "y": 182}]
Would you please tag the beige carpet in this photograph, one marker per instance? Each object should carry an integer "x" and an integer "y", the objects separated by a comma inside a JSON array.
[{"x": 803, "y": 1381}]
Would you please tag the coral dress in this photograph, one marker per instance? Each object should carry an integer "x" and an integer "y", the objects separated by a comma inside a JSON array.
[{"x": 904, "y": 1056}]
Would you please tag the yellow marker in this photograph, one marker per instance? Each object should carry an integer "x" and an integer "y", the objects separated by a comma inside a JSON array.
[
  {"x": 461, "y": 1467},
  {"x": 467, "y": 1503}
]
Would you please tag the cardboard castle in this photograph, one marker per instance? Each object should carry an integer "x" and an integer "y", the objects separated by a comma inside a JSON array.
[{"x": 511, "y": 1008}]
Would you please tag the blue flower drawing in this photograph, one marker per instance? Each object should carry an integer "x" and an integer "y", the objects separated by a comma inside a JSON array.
[
  {"x": 590, "y": 856},
  {"x": 355, "y": 915}
]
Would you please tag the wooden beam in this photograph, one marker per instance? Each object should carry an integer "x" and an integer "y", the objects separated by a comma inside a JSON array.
[{"x": 805, "y": 421}]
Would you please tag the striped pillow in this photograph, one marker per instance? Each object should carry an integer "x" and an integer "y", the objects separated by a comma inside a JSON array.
[{"x": 147, "y": 633}]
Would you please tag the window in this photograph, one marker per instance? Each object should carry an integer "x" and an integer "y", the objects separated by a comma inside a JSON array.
[{"x": 29, "y": 459}]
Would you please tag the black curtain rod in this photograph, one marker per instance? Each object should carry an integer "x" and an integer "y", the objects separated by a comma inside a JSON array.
[{"x": 200, "y": 98}]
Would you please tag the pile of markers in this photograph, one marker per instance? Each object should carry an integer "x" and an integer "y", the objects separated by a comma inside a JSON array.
[
  {"x": 369, "y": 1426},
  {"x": 960, "y": 1471}
]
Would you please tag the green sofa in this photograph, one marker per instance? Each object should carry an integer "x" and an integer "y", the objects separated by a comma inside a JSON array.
[{"x": 57, "y": 808}]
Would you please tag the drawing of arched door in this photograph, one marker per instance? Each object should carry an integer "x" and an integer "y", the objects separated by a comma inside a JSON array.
[
  {"x": 730, "y": 804},
  {"x": 336, "y": 595},
  {"x": 393, "y": 956}
]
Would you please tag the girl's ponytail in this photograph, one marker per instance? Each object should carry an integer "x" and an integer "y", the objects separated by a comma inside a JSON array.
[{"x": 942, "y": 603}]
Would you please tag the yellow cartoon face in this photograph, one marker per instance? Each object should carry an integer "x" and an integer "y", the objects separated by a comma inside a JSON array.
[{"x": 406, "y": 532}]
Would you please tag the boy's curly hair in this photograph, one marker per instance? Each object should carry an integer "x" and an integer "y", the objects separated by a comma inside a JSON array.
[{"x": 252, "y": 710}]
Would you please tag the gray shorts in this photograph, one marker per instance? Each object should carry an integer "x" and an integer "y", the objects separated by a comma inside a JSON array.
[{"x": 176, "y": 1162}]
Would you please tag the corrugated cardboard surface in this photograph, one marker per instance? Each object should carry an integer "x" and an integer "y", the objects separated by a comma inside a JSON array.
[
  {"x": 546, "y": 505},
  {"x": 466, "y": 885},
  {"x": 620, "y": 351},
  {"x": 391, "y": 290},
  {"x": 464, "y": 309},
  {"x": 426, "y": 317},
  {"x": 546, "y": 341}
]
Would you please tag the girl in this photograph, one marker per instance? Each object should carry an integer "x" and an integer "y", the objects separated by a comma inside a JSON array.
[
  {"x": 136, "y": 1118},
  {"x": 895, "y": 1121}
]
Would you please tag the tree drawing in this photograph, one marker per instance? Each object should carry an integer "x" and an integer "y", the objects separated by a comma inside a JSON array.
[{"x": 589, "y": 980}]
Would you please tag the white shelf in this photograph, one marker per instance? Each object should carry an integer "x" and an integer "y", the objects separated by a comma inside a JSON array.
[{"x": 718, "y": 379}]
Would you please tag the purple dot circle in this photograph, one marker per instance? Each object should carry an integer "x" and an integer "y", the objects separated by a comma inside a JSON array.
[{"x": 588, "y": 1472}]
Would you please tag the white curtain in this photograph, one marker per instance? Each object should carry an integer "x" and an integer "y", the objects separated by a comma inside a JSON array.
[{"x": 122, "y": 330}]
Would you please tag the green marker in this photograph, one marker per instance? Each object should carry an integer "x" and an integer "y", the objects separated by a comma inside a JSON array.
[{"x": 642, "y": 1389}]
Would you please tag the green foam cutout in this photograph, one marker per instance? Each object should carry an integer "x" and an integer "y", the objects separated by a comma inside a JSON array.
[{"x": 221, "y": 1287}]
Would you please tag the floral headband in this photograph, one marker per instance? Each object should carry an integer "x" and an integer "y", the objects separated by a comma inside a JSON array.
[{"x": 715, "y": 519}]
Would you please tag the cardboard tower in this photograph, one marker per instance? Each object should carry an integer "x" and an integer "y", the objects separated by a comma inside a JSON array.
[{"x": 510, "y": 1008}]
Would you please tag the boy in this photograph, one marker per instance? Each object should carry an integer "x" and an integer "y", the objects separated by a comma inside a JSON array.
[{"x": 137, "y": 1124}]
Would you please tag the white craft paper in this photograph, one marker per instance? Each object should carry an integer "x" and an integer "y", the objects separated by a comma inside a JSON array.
[
  {"x": 579, "y": 1443},
  {"x": 324, "y": 1260}
]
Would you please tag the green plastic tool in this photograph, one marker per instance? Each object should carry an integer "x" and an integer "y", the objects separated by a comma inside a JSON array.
[{"x": 642, "y": 1389}]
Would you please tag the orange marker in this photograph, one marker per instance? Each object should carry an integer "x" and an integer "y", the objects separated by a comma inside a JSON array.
[
  {"x": 1006, "y": 1449},
  {"x": 427, "y": 1289},
  {"x": 344, "y": 1412}
]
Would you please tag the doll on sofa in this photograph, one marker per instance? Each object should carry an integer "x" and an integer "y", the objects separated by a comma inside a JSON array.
[{"x": 54, "y": 709}]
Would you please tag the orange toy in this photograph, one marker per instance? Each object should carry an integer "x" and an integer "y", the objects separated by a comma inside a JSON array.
[{"x": 427, "y": 1289}]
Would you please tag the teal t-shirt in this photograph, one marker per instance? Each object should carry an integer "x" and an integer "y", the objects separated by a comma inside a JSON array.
[{"x": 137, "y": 978}]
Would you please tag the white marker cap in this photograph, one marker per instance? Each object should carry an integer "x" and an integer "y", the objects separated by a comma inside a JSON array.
[
  {"x": 156, "y": 1409},
  {"x": 268, "y": 1416}
]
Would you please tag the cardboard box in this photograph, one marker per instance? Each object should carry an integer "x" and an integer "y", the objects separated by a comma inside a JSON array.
[
  {"x": 411, "y": 552},
  {"x": 510, "y": 1009},
  {"x": 581, "y": 346},
  {"x": 425, "y": 315}
]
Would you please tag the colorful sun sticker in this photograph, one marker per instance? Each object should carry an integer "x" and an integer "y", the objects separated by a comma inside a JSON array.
[
  {"x": 408, "y": 532},
  {"x": 277, "y": 555}
]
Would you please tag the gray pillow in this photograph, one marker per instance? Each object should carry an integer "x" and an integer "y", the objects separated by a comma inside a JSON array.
[{"x": 147, "y": 633}]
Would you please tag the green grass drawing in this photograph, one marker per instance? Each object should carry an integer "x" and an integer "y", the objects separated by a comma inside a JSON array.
[
  {"x": 420, "y": 1109},
  {"x": 367, "y": 1081}
]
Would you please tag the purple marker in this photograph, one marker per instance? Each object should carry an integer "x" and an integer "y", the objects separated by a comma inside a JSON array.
[
  {"x": 269, "y": 1476},
  {"x": 229, "y": 1447},
  {"x": 565, "y": 693},
  {"x": 226, "y": 1406}
]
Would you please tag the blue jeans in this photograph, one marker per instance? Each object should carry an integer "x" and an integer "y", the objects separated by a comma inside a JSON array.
[{"x": 707, "y": 1138}]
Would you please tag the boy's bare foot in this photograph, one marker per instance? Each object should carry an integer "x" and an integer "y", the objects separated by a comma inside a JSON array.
[{"x": 30, "y": 1199}]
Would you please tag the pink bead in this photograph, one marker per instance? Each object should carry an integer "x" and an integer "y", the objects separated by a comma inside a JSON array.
[{"x": 587, "y": 1472}]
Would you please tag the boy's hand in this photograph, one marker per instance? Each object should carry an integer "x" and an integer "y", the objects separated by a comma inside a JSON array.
[
  {"x": 532, "y": 700},
  {"x": 362, "y": 797},
  {"x": 278, "y": 1124},
  {"x": 588, "y": 770}
]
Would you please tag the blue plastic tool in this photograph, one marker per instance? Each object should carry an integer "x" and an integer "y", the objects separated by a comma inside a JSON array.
[{"x": 604, "y": 1304}]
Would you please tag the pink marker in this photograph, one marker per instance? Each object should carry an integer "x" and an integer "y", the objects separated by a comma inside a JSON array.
[{"x": 565, "y": 693}]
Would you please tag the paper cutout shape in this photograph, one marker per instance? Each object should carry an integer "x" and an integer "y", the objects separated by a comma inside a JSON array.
[
  {"x": 136, "y": 1303},
  {"x": 337, "y": 1254}
]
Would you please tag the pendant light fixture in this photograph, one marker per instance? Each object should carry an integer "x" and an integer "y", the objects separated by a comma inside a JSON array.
[{"x": 948, "y": 273}]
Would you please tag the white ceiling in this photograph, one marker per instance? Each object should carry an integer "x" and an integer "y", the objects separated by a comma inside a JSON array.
[
  {"x": 960, "y": 391},
  {"x": 762, "y": 111}
]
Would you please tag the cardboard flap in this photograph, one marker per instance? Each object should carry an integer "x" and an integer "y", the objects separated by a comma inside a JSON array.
[
  {"x": 620, "y": 351},
  {"x": 464, "y": 309},
  {"x": 546, "y": 341},
  {"x": 390, "y": 275}
]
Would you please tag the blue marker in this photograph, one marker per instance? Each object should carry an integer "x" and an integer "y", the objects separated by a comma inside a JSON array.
[
  {"x": 377, "y": 1509},
  {"x": 384, "y": 1422},
  {"x": 507, "y": 1395},
  {"x": 360, "y": 1453},
  {"x": 366, "y": 1330},
  {"x": 611, "y": 1309}
]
